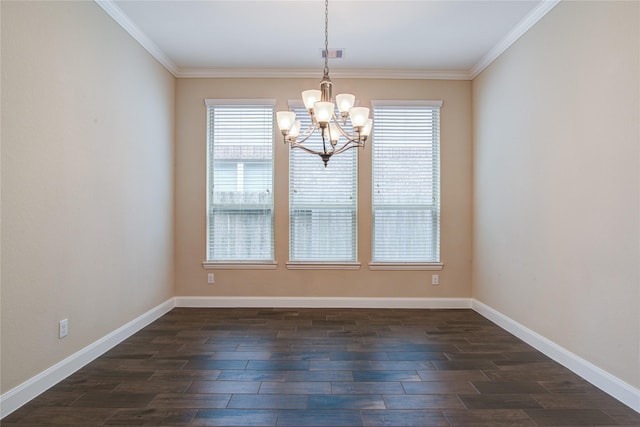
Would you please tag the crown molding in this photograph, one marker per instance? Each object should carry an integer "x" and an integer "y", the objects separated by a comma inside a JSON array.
[
  {"x": 121, "y": 18},
  {"x": 240, "y": 73},
  {"x": 317, "y": 73},
  {"x": 523, "y": 26}
]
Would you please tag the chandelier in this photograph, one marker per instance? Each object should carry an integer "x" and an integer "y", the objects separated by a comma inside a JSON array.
[{"x": 321, "y": 108}]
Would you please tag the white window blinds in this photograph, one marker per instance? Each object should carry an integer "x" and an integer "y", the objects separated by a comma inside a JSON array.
[
  {"x": 322, "y": 203},
  {"x": 406, "y": 182},
  {"x": 240, "y": 180}
]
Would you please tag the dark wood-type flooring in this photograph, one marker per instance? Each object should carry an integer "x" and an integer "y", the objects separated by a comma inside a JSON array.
[{"x": 323, "y": 367}]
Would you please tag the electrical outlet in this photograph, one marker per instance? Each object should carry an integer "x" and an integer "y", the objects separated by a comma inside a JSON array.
[
  {"x": 63, "y": 330},
  {"x": 210, "y": 279},
  {"x": 435, "y": 279}
]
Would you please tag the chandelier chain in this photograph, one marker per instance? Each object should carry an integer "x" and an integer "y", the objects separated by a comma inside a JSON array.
[{"x": 326, "y": 37}]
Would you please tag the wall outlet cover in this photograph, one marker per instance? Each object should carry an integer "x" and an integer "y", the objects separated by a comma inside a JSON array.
[{"x": 63, "y": 329}]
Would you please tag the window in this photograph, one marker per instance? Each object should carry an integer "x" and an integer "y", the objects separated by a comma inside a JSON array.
[
  {"x": 240, "y": 180},
  {"x": 406, "y": 182},
  {"x": 322, "y": 203}
]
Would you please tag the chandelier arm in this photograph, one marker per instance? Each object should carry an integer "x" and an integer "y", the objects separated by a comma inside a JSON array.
[
  {"x": 303, "y": 136},
  {"x": 346, "y": 147},
  {"x": 349, "y": 145},
  {"x": 305, "y": 148},
  {"x": 349, "y": 136},
  {"x": 307, "y": 133}
]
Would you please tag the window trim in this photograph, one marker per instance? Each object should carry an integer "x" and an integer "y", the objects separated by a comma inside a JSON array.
[
  {"x": 309, "y": 265},
  {"x": 210, "y": 102},
  {"x": 240, "y": 264},
  {"x": 408, "y": 103},
  {"x": 408, "y": 266}
]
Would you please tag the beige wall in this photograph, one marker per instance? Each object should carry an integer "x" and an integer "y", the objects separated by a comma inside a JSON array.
[
  {"x": 556, "y": 183},
  {"x": 87, "y": 181},
  {"x": 191, "y": 278}
]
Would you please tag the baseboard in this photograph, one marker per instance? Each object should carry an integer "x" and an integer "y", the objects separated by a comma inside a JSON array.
[
  {"x": 20, "y": 395},
  {"x": 608, "y": 383},
  {"x": 322, "y": 302}
]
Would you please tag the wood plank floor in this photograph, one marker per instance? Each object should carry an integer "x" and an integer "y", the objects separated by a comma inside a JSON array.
[{"x": 323, "y": 367}]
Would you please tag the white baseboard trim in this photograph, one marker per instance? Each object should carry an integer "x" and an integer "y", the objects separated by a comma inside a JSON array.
[
  {"x": 22, "y": 394},
  {"x": 322, "y": 302},
  {"x": 608, "y": 383}
]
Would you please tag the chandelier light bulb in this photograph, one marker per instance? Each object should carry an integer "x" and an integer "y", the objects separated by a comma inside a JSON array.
[
  {"x": 334, "y": 133},
  {"x": 285, "y": 120},
  {"x": 324, "y": 112},
  {"x": 359, "y": 116},
  {"x": 345, "y": 102},
  {"x": 310, "y": 97},
  {"x": 295, "y": 129},
  {"x": 366, "y": 130}
]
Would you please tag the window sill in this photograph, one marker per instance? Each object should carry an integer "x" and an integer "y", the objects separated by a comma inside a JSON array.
[
  {"x": 323, "y": 266},
  {"x": 433, "y": 266},
  {"x": 214, "y": 265}
]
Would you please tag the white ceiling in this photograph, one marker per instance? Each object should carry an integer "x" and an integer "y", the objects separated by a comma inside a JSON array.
[{"x": 390, "y": 38}]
